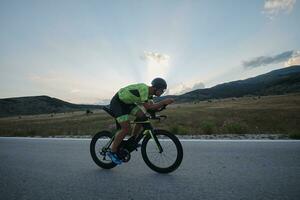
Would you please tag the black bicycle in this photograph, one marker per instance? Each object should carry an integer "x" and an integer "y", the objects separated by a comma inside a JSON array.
[{"x": 161, "y": 150}]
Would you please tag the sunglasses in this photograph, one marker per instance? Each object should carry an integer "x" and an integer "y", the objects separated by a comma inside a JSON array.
[{"x": 162, "y": 90}]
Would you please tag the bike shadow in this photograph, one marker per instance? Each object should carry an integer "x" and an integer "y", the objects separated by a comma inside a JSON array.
[{"x": 132, "y": 174}]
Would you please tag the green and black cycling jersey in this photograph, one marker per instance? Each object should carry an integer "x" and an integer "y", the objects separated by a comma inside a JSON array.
[
  {"x": 128, "y": 100},
  {"x": 134, "y": 94}
]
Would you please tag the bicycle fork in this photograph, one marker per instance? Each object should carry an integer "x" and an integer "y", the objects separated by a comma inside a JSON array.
[{"x": 153, "y": 136}]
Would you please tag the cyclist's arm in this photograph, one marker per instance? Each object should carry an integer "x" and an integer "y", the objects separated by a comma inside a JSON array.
[
  {"x": 156, "y": 106},
  {"x": 153, "y": 106}
]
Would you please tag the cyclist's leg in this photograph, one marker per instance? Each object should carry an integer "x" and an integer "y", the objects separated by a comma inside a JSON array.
[
  {"x": 139, "y": 113},
  {"x": 120, "y": 135},
  {"x": 138, "y": 127},
  {"x": 121, "y": 112}
]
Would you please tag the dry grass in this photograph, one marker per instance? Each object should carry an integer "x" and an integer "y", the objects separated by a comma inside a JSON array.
[
  {"x": 247, "y": 115},
  {"x": 76, "y": 123},
  {"x": 251, "y": 115}
]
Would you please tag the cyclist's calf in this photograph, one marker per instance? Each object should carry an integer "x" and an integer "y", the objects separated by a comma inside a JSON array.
[{"x": 125, "y": 129}]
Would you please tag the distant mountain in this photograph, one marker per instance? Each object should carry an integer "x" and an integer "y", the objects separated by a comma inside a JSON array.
[
  {"x": 38, "y": 105},
  {"x": 281, "y": 81},
  {"x": 286, "y": 80}
]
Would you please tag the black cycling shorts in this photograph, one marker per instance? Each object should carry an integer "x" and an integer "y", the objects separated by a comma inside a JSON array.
[{"x": 122, "y": 110}]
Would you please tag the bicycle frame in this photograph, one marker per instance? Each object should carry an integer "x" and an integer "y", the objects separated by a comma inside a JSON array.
[{"x": 148, "y": 130}]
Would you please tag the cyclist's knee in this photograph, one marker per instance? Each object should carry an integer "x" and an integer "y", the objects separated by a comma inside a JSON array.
[
  {"x": 125, "y": 128},
  {"x": 140, "y": 116}
]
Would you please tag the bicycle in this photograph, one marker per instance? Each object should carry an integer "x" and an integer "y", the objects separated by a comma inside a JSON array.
[{"x": 158, "y": 145}]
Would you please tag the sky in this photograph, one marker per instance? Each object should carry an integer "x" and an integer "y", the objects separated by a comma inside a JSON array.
[{"x": 84, "y": 51}]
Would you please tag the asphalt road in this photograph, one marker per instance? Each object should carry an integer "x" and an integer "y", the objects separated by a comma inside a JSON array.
[{"x": 63, "y": 169}]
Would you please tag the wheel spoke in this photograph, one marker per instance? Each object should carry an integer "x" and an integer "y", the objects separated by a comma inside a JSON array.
[
  {"x": 98, "y": 150},
  {"x": 165, "y": 159}
]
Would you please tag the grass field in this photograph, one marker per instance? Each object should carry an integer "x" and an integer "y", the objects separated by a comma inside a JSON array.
[{"x": 246, "y": 115}]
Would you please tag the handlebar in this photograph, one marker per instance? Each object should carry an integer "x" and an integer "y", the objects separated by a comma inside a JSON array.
[{"x": 157, "y": 117}]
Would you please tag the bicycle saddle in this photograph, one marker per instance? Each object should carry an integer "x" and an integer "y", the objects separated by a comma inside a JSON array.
[{"x": 108, "y": 110}]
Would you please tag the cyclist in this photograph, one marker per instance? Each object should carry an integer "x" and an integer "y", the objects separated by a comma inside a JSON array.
[{"x": 134, "y": 100}]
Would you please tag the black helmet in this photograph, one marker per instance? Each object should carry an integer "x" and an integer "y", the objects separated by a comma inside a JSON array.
[{"x": 159, "y": 83}]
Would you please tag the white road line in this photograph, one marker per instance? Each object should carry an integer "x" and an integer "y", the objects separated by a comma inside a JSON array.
[
  {"x": 182, "y": 140},
  {"x": 236, "y": 140}
]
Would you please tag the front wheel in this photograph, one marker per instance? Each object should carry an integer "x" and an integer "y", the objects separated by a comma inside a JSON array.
[
  {"x": 98, "y": 149},
  {"x": 171, "y": 156}
]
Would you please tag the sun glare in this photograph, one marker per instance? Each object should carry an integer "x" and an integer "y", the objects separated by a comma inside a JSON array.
[{"x": 157, "y": 65}]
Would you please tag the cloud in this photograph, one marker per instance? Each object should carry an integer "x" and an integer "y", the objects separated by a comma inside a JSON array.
[
  {"x": 157, "y": 57},
  {"x": 182, "y": 88},
  {"x": 266, "y": 60},
  {"x": 103, "y": 101},
  {"x": 157, "y": 65},
  {"x": 274, "y": 7},
  {"x": 198, "y": 86},
  {"x": 294, "y": 60}
]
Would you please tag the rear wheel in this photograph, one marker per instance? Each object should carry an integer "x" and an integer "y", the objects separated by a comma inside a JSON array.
[
  {"x": 169, "y": 159},
  {"x": 98, "y": 150}
]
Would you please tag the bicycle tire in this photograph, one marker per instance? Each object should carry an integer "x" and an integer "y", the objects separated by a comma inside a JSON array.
[
  {"x": 174, "y": 139},
  {"x": 96, "y": 137}
]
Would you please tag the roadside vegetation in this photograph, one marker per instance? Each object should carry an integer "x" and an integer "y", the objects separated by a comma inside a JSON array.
[{"x": 246, "y": 115}]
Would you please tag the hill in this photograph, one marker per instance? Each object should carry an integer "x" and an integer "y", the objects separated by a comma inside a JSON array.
[
  {"x": 282, "y": 81},
  {"x": 276, "y": 114},
  {"x": 38, "y": 105}
]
